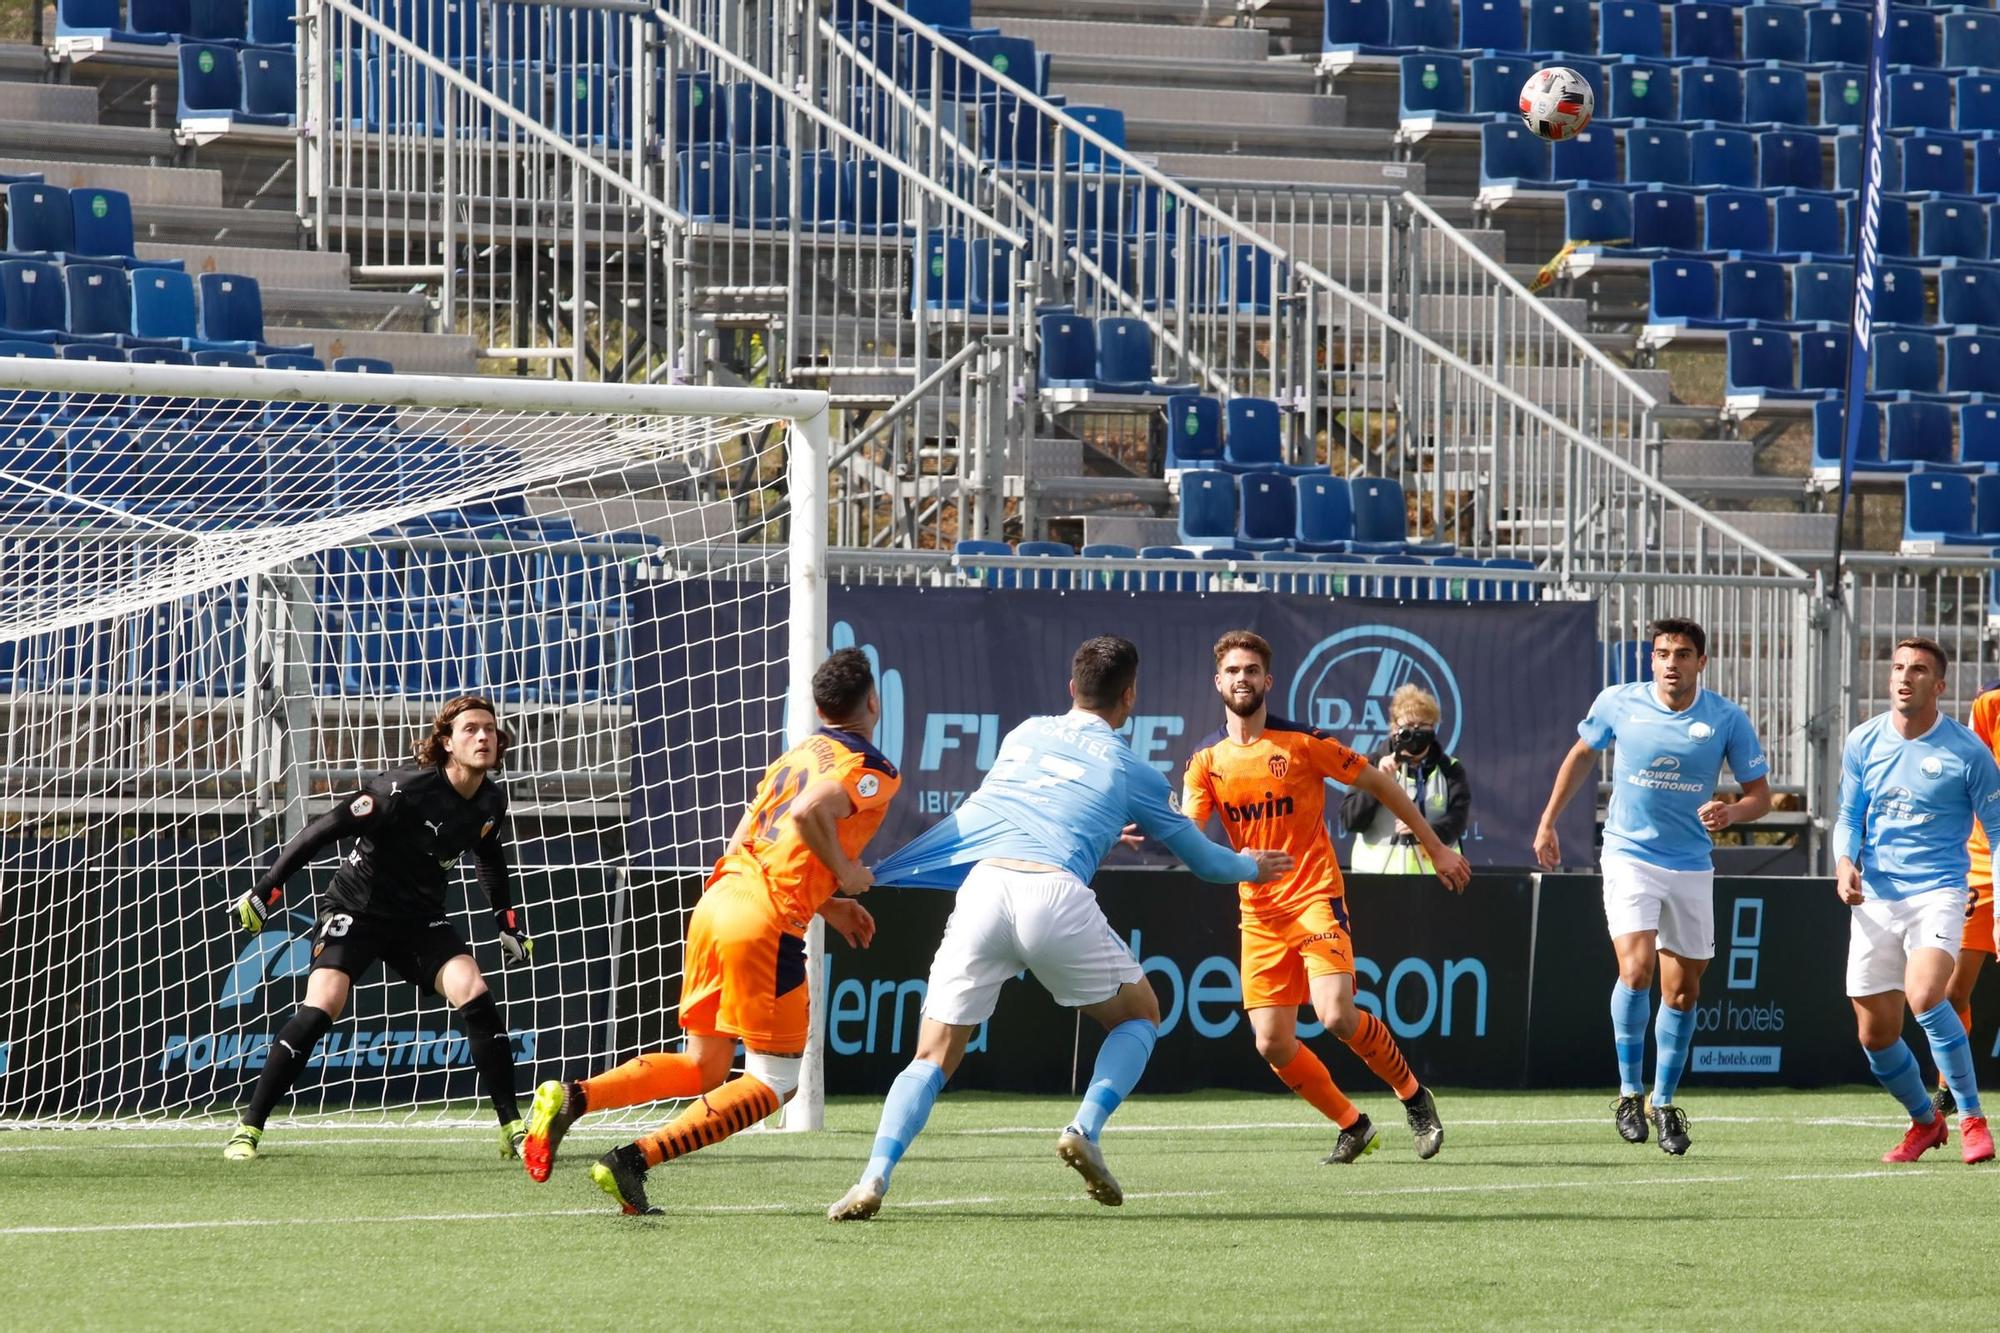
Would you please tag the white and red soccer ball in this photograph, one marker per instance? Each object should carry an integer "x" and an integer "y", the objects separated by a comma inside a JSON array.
[{"x": 1556, "y": 103}]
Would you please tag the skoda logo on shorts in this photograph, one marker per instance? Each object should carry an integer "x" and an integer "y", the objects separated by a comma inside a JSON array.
[
  {"x": 1932, "y": 766},
  {"x": 1344, "y": 684}
]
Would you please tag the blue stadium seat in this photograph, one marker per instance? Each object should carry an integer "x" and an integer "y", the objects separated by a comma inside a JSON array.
[
  {"x": 1158, "y": 582},
  {"x": 272, "y": 23},
  {"x": 1840, "y": 94},
  {"x": 1823, "y": 361},
  {"x": 1808, "y": 223},
  {"x": 1711, "y": 92},
  {"x": 1664, "y": 220},
  {"x": 704, "y": 176},
  {"x": 1829, "y": 419},
  {"x": 997, "y": 54},
  {"x": 101, "y": 229},
  {"x": 1591, "y": 157},
  {"x": 1683, "y": 293},
  {"x": 1951, "y": 228},
  {"x": 760, "y": 185},
  {"x": 1919, "y": 100},
  {"x": 1011, "y": 135},
  {"x": 211, "y": 85},
  {"x": 93, "y": 351},
  {"x": 1893, "y": 238},
  {"x": 1381, "y": 521},
  {"x": 1194, "y": 432},
  {"x": 1110, "y": 581},
  {"x": 1777, "y": 97},
  {"x": 1421, "y": 23},
  {"x": 1933, "y": 163},
  {"x": 1496, "y": 84},
  {"x": 1938, "y": 511},
  {"x": 1254, "y": 441},
  {"x": 1561, "y": 26},
  {"x": 1979, "y": 435},
  {"x": 1068, "y": 352},
  {"x": 1705, "y": 30},
  {"x": 97, "y": 464},
  {"x": 1822, "y": 292},
  {"x": 1325, "y": 505},
  {"x": 232, "y": 311},
  {"x": 1491, "y": 25},
  {"x": 1639, "y": 90},
  {"x": 1836, "y": 36},
  {"x": 270, "y": 85},
  {"x": 1630, "y": 28},
  {"x": 1754, "y": 290},
  {"x": 1512, "y": 158},
  {"x": 30, "y": 458},
  {"x": 1986, "y": 165},
  {"x": 1971, "y": 39},
  {"x": 1251, "y": 274},
  {"x": 1656, "y": 157},
  {"x": 819, "y": 192},
  {"x": 1208, "y": 509},
  {"x": 1079, "y": 153},
  {"x": 39, "y": 221},
  {"x": 1759, "y": 363},
  {"x": 1267, "y": 512},
  {"x": 1125, "y": 359},
  {"x": 1359, "y": 24},
  {"x": 1775, "y": 32},
  {"x": 752, "y": 115},
  {"x": 1971, "y": 364},
  {"x": 223, "y": 21},
  {"x": 1723, "y": 159},
  {"x": 1847, "y": 163},
  {"x": 97, "y": 301},
  {"x": 1978, "y": 98},
  {"x": 871, "y": 199},
  {"x": 692, "y": 108},
  {"x": 1789, "y": 161},
  {"x": 1969, "y": 296},
  {"x": 100, "y": 18},
  {"x": 1899, "y": 297},
  {"x": 1736, "y": 221},
  {"x": 989, "y": 279},
  {"x": 31, "y": 300},
  {"x": 587, "y": 110},
  {"x": 1593, "y": 216},
  {"x": 1919, "y": 435},
  {"x": 1913, "y": 38},
  {"x": 1432, "y": 87},
  {"x": 1904, "y": 363}
]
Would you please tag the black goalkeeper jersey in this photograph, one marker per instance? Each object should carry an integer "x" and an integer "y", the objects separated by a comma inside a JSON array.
[{"x": 410, "y": 827}]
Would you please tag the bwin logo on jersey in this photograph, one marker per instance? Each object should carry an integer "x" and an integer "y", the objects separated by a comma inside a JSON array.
[
  {"x": 1344, "y": 684},
  {"x": 254, "y": 965}
]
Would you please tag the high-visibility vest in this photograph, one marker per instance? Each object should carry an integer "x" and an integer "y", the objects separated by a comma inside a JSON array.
[{"x": 1379, "y": 851}]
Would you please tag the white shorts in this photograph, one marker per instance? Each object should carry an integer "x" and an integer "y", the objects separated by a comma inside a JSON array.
[
  {"x": 1680, "y": 904},
  {"x": 1884, "y": 931},
  {"x": 1009, "y": 920}
]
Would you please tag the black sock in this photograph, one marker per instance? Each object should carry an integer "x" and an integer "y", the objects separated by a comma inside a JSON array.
[
  {"x": 492, "y": 1053},
  {"x": 286, "y": 1058}
]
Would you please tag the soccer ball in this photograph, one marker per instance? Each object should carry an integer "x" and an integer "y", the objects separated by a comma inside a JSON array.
[{"x": 1556, "y": 103}]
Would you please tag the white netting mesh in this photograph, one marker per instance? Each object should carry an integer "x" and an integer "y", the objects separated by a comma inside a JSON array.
[{"x": 217, "y": 613}]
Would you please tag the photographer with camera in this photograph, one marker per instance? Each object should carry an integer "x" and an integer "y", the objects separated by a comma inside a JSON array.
[{"x": 1436, "y": 782}]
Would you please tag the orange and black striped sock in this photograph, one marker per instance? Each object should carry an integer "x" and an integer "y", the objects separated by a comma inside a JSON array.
[
  {"x": 730, "y": 1109},
  {"x": 1372, "y": 1042},
  {"x": 1306, "y": 1075},
  {"x": 648, "y": 1078}
]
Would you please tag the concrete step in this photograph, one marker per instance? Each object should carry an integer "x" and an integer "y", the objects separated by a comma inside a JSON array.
[
  {"x": 65, "y": 104},
  {"x": 260, "y": 228},
  {"x": 89, "y": 142},
  {"x": 1260, "y": 169},
  {"x": 1130, "y": 530},
  {"x": 407, "y": 312},
  {"x": 1171, "y": 41},
  {"x": 1213, "y": 107},
  {"x": 417, "y": 353},
  {"x": 1458, "y": 315},
  {"x": 184, "y": 186},
  {"x": 310, "y": 270},
  {"x": 1787, "y": 534}
]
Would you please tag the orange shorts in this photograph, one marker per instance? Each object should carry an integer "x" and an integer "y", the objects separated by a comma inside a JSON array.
[
  {"x": 744, "y": 974},
  {"x": 1280, "y": 957},
  {"x": 1979, "y": 921}
]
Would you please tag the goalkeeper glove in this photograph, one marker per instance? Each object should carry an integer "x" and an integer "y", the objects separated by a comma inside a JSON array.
[
  {"x": 515, "y": 946},
  {"x": 254, "y": 908}
]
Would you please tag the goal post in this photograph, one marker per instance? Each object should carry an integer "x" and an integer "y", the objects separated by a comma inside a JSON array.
[{"x": 233, "y": 593}]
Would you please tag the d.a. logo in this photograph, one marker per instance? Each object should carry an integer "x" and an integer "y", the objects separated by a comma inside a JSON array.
[{"x": 1345, "y": 682}]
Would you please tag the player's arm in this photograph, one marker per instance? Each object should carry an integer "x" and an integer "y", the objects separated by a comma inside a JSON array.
[
  {"x": 1982, "y": 783},
  {"x": 351, "y": 818},
  {"x": 1357, "y": 808},
  {"x": 817, "y": 815},
  {"x": 1152, "y": 810},
  {"x": 489, "y": 867},
  {"x": 1579, "y": 766},
  {"x": 1752, "y": 772},
  {"x": 1453, "y": 870},
  {"x": 1849, "y": 828}
]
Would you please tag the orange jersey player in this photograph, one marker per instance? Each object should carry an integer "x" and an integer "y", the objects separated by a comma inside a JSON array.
[
  {"x": 792, "y": 856},
  {"x": 1266, "y": 778},
  {"x": 1981, "y": 940}
]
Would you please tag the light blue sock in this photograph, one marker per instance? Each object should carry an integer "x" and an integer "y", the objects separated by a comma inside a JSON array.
[
  {"x": 1896, "y": 1069},
  {"x": 1120, "y": 1061},
  {"x": 1628, "y": 1032},
  {"x": 1673, "y": 1033},
  {"x": 1953, "y": 1054},
  {"x": 903, "y": 1114}
]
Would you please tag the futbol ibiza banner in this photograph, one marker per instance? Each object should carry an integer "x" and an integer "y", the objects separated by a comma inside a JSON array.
[{"x": 959, "y": 667}]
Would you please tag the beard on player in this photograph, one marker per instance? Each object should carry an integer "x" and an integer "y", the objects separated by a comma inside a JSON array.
[{"x": 1243, "y": 698}]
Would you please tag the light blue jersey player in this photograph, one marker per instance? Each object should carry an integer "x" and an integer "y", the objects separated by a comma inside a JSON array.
[
  {"x": 1020, "y": 852},
  {"x": 1670, "y": 739},
  {"x": 1912, "y": 782}
]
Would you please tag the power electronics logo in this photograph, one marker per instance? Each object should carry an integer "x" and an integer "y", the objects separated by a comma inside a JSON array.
[{"x": 1345, "y": 683}]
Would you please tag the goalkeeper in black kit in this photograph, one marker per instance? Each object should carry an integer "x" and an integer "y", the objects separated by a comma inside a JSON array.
[{"x": 409, "y": 827}]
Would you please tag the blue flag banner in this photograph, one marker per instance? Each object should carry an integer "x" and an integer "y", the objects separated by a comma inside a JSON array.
[{"x": 1868, "y": 200}]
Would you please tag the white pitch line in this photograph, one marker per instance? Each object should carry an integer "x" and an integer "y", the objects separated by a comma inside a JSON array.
[{"x": 1514, "y": 1188}]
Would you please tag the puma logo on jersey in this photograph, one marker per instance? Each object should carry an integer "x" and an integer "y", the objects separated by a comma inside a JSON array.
[
  {"x": 1253, "y": 812},
  {"x": 435, "y": 829}
]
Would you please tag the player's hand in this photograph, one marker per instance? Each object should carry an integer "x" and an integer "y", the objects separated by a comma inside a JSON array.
[
  {"x": 1548, "y": 850},
  {"x": 854, "y": 879},
  {"x": 1131, "y": 837},
  {"x": 1453, "y": 870},
  {"x": 1716, "y": 816},
  {"x": 1847, "y": 883},
  {"x": 851, "y": 919},
  {"x": 253, "y": 909},
  {"x": 515, "y": 946},
  {"x": 1387, "y": 763},
  {"x": 1271, "y": 864}
]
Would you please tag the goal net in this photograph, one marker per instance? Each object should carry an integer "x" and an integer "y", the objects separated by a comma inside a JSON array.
[{"x": 232, "y": 594}]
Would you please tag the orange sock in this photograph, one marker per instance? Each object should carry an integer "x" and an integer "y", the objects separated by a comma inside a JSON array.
[
  {"x": 1306, "y": 1075},
  {"x": 731, "y": 1108},
  {"x": 1372, "y": 1042},
  {"x": 648, "y": 1078}
]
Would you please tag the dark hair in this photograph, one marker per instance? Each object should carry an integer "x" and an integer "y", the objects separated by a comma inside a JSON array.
[
  {"x": 1248, "y": 640},
  {"x": 841, "y": 684},
  {"x": 1931, "y": 646},
  {"x": 430, "y": 749},
  {"x": 1686, "y": 629},
  {"x": 1103, "y": 669}
]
